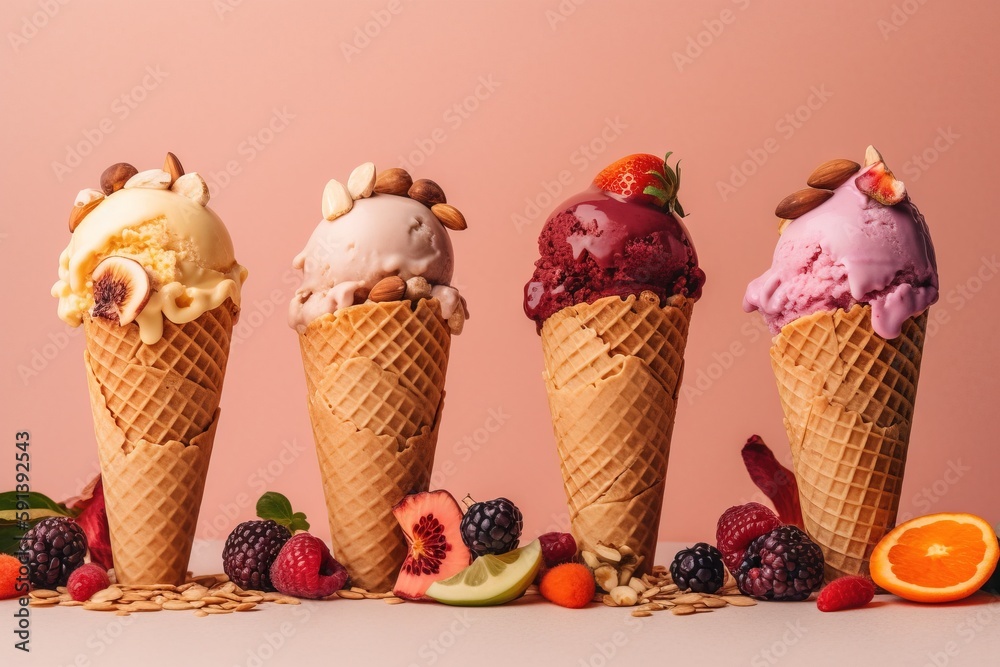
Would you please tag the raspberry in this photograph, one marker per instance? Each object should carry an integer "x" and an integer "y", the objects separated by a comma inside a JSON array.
[
  {"x": 55, "y": 547},
  {"x": 781, "y": 565},
  {"x": 250, "y": 551},
  {"x": 846, "y": 593},
  {"x": 569, "y": 585},
  {"x": 304, "y": 568},
  {"x": 738, "y": 527},
  {"x": 557, "y": 548},
  {"x": 87, "y": 580},
  {"x": 10, "y": 568}
]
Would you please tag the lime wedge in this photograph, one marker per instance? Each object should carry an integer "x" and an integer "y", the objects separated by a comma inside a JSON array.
[{"x": 490, "y": 579}]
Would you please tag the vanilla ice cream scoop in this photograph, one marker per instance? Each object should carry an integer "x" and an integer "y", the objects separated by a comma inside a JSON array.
[
  {"x": 380, "y": 236},
  {"x": 182, "y": 244}
]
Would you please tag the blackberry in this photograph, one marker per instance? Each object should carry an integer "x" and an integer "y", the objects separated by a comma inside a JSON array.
[
  {"x": 699, "y": 569},
  {"x": 250, "y": 551},
  {"x": 492, "y": 527},
  {"x": 783, "y": 564},
  {"x": 55, "y": 546}
]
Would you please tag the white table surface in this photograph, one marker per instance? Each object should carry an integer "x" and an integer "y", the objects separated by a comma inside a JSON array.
[{"x": 527, "y": 631}]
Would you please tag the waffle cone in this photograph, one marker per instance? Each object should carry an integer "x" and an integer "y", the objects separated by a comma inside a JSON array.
[
  {"x": 375, "y": 377},
  {"x": 156, "y": 409},
  {"x": 848, "y": 397},
  {"x": 612, "y": 371}
]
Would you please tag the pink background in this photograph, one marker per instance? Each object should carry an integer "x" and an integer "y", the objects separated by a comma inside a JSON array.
[{"x": 287, "y": 95}]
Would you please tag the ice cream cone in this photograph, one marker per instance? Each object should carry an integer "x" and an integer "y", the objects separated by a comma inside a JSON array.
[
  {"x": 612, "y": 371},
  {"x": 375, "y": 376},
  {"x": 848, "y": 397},
  {"x": 156, "y": 409}
]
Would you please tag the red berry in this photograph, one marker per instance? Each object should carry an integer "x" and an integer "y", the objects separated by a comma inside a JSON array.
[
  {"x": 557, "y": 548},
  {"x": 10, "y": 570},
  {"x": 569, "y": 585},
  {"x": 738, "y": 527},
  {"x": 846, "y": 593},
  {"x": 304, "y": 568},
  {"x": 86, "y": 580}
]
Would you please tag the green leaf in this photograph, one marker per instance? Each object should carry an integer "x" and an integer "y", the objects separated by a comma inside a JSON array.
[
  {"x": 33, "y": 514},
  {"x": 278, "y": 508},
  {"x": 659, "y": 193},
  {"x": 9, "y": 501}
]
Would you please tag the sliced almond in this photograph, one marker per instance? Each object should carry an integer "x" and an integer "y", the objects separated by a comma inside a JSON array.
[
  {"x": 714, "y": 603},
  {"x": 337, "y": 200},
  {"x": 872, "y": 156},
  {"x": 350, "y": 595},
  {"x": 683, "y": 610},
  {"x": 608, "y": 554},
  {"x": 361, "y": 182},
  {"x": 606, "y": 577},
  {"x": 154, "y": 179},
  {"x": 394, "y": 600},
  {"x": 390, "y": 288},
  {"x": 590, "y": 559},
  {"x": 832, "y": 174},
  {"x": 100, "y": 606},
  {"x": 194, "y": 593},
  {"x": 177, "y": 605},
  {"x": 172, "y": 166},
  {"x": 624, "y": 596},
  {"x": 687, "y": 598},
  {"x": 86, "y": 201},
  {"x": 740, "y": 600},
  {"x": 109, "y": 594},
  {"x": 245, "y": 606},
  {"x": 192, "y": 186},
  {"x": 638, "y": 585},
  {"x": 801, "y": 202},
  {"x": 641, "y": 613},
  {"x": 393, "y": 181},
  {"x": 43, "y": 594},
  {"x": 449, "y": 216}
]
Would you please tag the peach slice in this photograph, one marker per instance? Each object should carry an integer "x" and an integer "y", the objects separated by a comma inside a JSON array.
[{"x": 121, "y": 289}]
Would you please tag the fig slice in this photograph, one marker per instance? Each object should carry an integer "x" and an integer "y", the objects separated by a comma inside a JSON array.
[{"x": 121, "y": 289}]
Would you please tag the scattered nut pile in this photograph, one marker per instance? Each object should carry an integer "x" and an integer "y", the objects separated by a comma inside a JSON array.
[{"x": 656, "y": 591}]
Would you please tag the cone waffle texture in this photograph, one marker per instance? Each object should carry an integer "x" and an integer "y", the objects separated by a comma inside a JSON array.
[
  {"x": 612, "y": 371},
  {"x": 848, "y": 397},
  {"x": 375, "y": 377},
  {"x": 156, "y": 409}
]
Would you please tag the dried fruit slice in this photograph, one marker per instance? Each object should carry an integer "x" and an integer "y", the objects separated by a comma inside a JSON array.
[
  {"x": 121, "y": 289},
  {"x": 491, "y": 580},
  {"x": 936, "y": 558},
  {"x": 430, "y": 521},
  {"x": 880, "y": 184}
]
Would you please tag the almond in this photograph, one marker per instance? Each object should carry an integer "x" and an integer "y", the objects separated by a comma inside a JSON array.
[
  {"x": 427, "y": 192},
  {"x": 361, "y": 182},
  {"x": 456, "y": 322},
  {"x": 393, "y": 181},
  {"x": 418, "y": 288},
  {"x": 86, "y": 201},
  {"x": 114, "y": 177},
  {"x": 449, "y": 216},
  {"x": 172, "y": 166},
  {"x": 337, "y": 200},
  {"x": 154, "y": 179},
  {"x": 782, "y": 223},
  {"x": 192, "y": 186},
  {"x": 801, "y": 202},
  {"x": 391, "y": 288},
  {"x": 832, "y": 174}
]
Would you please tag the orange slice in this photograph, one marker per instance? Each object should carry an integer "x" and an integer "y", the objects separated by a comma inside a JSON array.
[{"x": 936, "y": 558}]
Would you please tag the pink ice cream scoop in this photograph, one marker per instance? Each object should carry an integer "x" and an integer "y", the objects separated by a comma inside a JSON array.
[{"x": 850, "y": 249}]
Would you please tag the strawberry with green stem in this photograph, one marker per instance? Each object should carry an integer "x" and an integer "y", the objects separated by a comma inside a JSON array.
[{"x": 644, "y": 179}]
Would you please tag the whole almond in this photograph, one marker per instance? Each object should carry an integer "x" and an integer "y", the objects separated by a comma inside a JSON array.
[
  {"x": 337, "y": 200},
  {"x": 801, "y": 202},
  {"x": 361, "y": 182},
  {"x": 172, "y": 166},
  {"x": 449, "y": 216},
  {"x": 86, "y": 201},
  {"x": 391, "y": 288},
  {"x": 114, "y": 177},
  {"x": 393, "y": 181},
  {"x": 832, "y": 174},
  {"x": 872, "y": 156},
  {"x": 427, "y": 192},
  {"x": 154, "y": 179},
  {"x": 192, "y": 186}
]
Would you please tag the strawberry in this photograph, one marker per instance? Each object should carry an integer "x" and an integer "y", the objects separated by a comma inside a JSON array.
[
  {"x": 644, "y": 179},
  {"x": 846, "y": 593}
]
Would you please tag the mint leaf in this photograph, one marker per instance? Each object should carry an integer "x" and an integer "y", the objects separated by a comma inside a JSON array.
[{"x": 278, "y": 508}]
